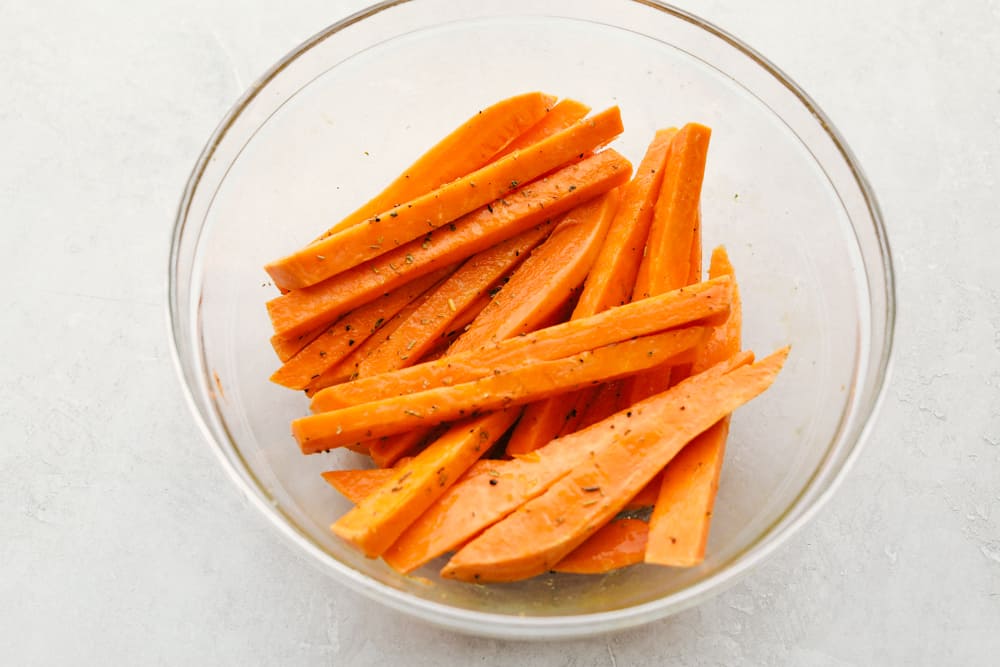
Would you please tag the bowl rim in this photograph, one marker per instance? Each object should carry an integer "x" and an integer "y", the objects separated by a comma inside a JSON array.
[{"x": 538, "y": 627}]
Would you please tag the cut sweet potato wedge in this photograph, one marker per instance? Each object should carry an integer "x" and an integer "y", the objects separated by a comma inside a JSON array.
[
  {"x": 375, "y": 523},
  {"x": 474, "y": 504},
  {"x": 558, "y": 118},
  {"x": 401, "y": 224},
  {"x": 616, "y": 544},
  {"x": 541, "y": 532},
  {"x": 679, "y": 308},
  {"x": 522, "y": 384},
  {"x": 338, "y": 340},
  {"x": 430, "y": 323},
  {"x": 554, "y": 270},
  {"x": 679, "y": 526},
  {"x": 608, "y": 284},
  {"x": 472, "y": 145},
  {"x": 301, "y": 310}
]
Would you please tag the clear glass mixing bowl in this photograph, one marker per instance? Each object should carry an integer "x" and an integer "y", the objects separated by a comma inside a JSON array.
[{"x": 349, "y": 108}]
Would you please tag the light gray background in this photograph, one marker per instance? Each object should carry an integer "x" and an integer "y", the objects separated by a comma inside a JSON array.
[{"x": 121, "y": 540}]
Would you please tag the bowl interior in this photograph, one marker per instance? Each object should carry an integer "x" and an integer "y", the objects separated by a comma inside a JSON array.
[{"x": 337, "y": 122}]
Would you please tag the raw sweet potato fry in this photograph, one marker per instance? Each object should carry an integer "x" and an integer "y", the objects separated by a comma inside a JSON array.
[
  {"x": 470, "y": 146},
  {"x": 679, "y": 525},
  {"x": 608, "y": 284},
  {"x": 555, "y": 269},
  {"x": 300, "y": 310},
  {"x": 356, "y": 485},
  {"x": 404, "y": 222},
  {"x": 474, "y": 504},
  {"x": 522, "y": 384},
  {"x": 666, "y": 263},
  {"x": 614, "y": 545},
  {"x": 679, "y": 308},
  {"x": 558, "y": 118},
  {"x": 375, "y": 523},
  {"x": 339, "y": 339},
  {"x": 541, "y": 532},
  {"x": 432, "y": 321}
]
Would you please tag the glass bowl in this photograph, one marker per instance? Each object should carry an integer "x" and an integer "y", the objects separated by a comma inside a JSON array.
[{"x": 348, "y": 109}]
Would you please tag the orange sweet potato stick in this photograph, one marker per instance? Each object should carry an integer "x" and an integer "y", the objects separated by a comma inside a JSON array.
[
  {"x": 385, "y": 452},
  {"x": 612, "y": 398},
  {"x": 613, "y": 279},
  {"x": 544, "y": 530},
  {"x": 395, "y": 227},
  {"x": 472, "y": 145},
  {"x": 618, "y": 543},
  {"x": 558, "y": 118},
  {"x": 375, "y": 523},
  {"x": 689, "y": 487},
  {"x": 301, "y": 310},
  {"x": 541, "y": 284},
  {"x": 474, "y": 504},
  {"x": 339, "y": 339},
  {"x": 608, "y": 284},
  {"x": 641, "y": 318},
  {"x": 525, "y": 383},
  {"x": 356, "y": 485},
  {"x": 429, "y": 323},
  {"x": 287, "y": 347},
  {"x": 350, "y": 367},
  {"x": 681, "y": 371},
  {"x": 667, "y": 260},
  {"x": 726, "y": 339},
  {"x": 679, "y": 525}
]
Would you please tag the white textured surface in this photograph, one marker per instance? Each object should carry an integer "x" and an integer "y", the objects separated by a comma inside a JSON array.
[{"x": 121, "y": 540}]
